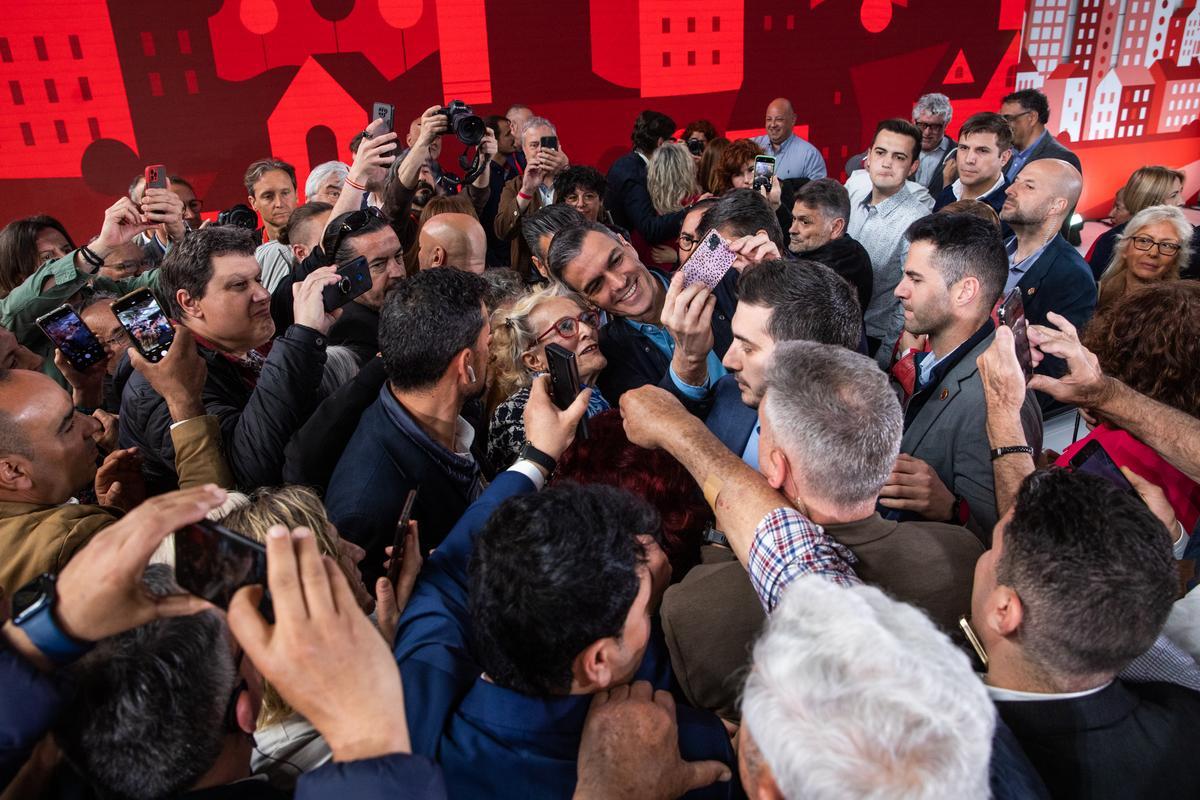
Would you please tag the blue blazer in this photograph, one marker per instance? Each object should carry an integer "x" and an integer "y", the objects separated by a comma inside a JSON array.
[
  {"x": 731, "y": 420},
  {"x": 628, "y": 200},
  {"x": 994, "y": 199},
  {"x": 491, "y": 741}
]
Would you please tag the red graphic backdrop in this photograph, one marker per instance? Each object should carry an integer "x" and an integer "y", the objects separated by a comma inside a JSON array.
[{"x": 92, "y": 91}]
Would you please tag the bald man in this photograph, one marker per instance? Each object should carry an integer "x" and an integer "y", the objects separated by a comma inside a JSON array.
[
  {"x": 794, "y": 157},
  {"x": 453, "y": 240},
  {"x": 1051, "y": 274}
]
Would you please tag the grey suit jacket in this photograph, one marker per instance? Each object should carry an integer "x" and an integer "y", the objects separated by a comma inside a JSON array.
[{"x": 950, "y": 435}]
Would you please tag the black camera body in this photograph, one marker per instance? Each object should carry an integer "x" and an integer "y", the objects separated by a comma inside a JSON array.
[
  {"x": 469, "y": 128},
  {"x": 240, "y": 216},
  {"x": 695, "y": 147}
]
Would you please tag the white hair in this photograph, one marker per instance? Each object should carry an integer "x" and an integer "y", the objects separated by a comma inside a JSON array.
[
  {"x": 936, "y": 104},
  {"x": 853, "y": 694},
  {"x": 538, "y": 122},
  {"x": 320, "y": 173}
]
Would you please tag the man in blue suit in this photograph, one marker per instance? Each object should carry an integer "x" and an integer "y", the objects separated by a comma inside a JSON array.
[
  {"x": 627, "y": 198},
  {"x": 778, "y": 301},
  {"x": 1051, "y": 274},
  {"x": 500, "y": 658}
]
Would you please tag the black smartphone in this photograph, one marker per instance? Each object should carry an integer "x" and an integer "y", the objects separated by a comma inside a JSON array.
[
  {"x": 564, "y": 380},
  {"x": 354, "y": 278},
  {"x": 147, "y": 324},
  {"x": 1012, "y": 313},
  {"x": 385, "y": 112},
  {"x": 764, "y": 171},
  {"x": 73, "y": 337},
  {"x": 1093, "y": 459},
  {"x": 156, "y": 176},
  {"x": 213, "y": 562},
  {"x": 550, "y": 142},
  {"x": 397, "y": 561}
]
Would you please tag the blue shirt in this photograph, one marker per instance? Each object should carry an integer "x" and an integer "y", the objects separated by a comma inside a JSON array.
[
  {"x": 794, "y": 158},
  {"x": 750, "y": 454},
  {"x": 1017, "y": 270},
  {"x": 660, "y": 337},
  {"x": 1019, "y": 157}
]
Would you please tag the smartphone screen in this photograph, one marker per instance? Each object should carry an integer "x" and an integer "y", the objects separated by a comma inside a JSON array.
[
  {"x": 764, "y": 171},
  {"x": 564, "y": 379},
  {"x": 709, "y": 261},
  {"x": 140, "y": 315},
  {"x": 1093, "y": 459},
  {"x": 213, "y": 562},
  {"x": 73, "y": 337},
  {"x": 156, "y": 176},
  {"x": 1012, "y": 314}
]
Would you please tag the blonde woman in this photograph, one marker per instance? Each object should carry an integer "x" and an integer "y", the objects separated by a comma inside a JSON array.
[
  {"x": 671, "y": 182},
  {"x": 1154, "y": 248},
  {"x": 551, "y": 315},
  {"x": 1148, "y": 186}
]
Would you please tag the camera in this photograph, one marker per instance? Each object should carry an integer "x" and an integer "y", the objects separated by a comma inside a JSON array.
[
  {"x": 240, "y": 216},
  {"x": 696, "y": 147},
  {"x": 466, "y": 126}
]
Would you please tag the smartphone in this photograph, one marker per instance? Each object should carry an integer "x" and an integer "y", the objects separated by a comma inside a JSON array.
[
  {"x": 564, "y": 380},
  {"x": 550, "y": 142},
  {"x": 401, "y": 534},
  {"x": 73, "y": 337},
  {"x": 1012, "y": 314},
  {"x": 1093, "y": 459},
  {"x": 385, "y": 112},
  {"x": 764, "y": 171},
  {"x": 213, "y": 562},
  {"x": 140, "y": 315},
  {"x": 156, "y": 176},
  {"x": 709, "y": 261},
  {"x": 354, "y": 278}
]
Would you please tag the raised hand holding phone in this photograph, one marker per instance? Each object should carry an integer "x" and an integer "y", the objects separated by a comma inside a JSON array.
[
  {"x": 547, "y": 427},
  {"x": 564, "y": 380}
]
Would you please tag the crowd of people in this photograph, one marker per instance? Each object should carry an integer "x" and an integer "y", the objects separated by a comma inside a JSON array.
[{"x": 797, "y": 535}]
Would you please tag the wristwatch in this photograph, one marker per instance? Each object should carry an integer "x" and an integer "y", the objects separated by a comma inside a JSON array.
[
  {"x": 543, "y": 460},
  {"x": 34, "y": 609}
]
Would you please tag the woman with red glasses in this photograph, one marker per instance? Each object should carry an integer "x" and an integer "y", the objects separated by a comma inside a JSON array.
[{"x": 553, "y": 314}]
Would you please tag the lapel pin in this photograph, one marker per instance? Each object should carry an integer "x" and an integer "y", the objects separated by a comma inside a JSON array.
[
  {"x": 945, "y": 393},
  {"x": 1031, "y": 290}
]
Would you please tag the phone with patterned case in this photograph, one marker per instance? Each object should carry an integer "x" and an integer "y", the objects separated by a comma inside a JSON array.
[{"x": 709, "y": 262}]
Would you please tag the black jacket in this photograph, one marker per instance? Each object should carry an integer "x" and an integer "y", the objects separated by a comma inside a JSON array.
[
  {"x": 1126, "y": 740},
  {"x": 847, "y": 258},
  {"x": 633, "y": 360},
  {"x": 357, "y": 329},
  {"x": 628, "y": 200},
  {"x": 256, "y": 423}
]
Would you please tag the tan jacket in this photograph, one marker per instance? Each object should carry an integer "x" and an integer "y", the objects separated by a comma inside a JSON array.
[
  {"x": 508, "y": 225},
  {"x": 37, "y": 538}
]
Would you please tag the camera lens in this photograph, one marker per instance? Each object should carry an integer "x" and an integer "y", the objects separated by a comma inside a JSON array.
[{"x": 469, "y": 129}]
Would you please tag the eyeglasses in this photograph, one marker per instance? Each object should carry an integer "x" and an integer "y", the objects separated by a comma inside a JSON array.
[
  {"x": 1014, "y": 117},
  {"x": 687, "y": 242},
  {"x": 355, "y": 222},
  {"x": 1146, "y": 244},
  {"x": 116, "y": 340},
  {"x": 930, "y": 126},
  {"x": 568, "y": 327}
]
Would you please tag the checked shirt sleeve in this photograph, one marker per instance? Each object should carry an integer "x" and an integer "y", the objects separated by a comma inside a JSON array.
[{"x": 787, "y": 545}]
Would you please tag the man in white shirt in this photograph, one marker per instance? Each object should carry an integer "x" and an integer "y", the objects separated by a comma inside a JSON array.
[{"x": 984, "y": 148}]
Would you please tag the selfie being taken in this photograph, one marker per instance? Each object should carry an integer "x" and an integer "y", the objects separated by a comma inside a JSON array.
[{"x": 768, "y": 401}]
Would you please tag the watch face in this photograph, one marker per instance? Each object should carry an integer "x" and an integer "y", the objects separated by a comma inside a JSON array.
[{"x": 27, "y": 597}]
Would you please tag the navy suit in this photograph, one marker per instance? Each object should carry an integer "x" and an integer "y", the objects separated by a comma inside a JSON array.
[
  {"x": 731, "y": 420},
  {"x": 628, "y": 200},
  {"x": 994, "y": 199},
  {"x": 491, "y": 741}
]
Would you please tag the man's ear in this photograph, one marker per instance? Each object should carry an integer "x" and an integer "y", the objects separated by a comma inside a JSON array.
[
  {"x": 968, "y": 290},
  {"x": 300, "y": 252},
  {"x": 250, "y": 201},
  {"x": 541, "y": 267},
  {"x": 1005, "y": 157},
  {"x": 247, "y": 713},
  {"x": 439, "y": 256},
  {"x": 777, "y": 468},
  {"x": 464, "y": 365},
  {"x": 912, "y": 168},
  {"x": 190, "y": 305},
  {"x": 1003, "y": 612},
  {"x": 592, "y": 670},
  {"x": 839, "y": 227},
  {"x": 15, "y": 474}
]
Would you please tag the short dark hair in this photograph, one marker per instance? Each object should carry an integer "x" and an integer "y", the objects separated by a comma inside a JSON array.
[
  {"x": 356, "y": 141},
  {"x": 965, "y": 245},
  {"x": 1030, "y": 100},
  {"x": 703, "y": 126},
  {"x": 552, "y": 573},
  {"x": 548, "y": 220},
  {"x": 345, "y": 249},
  {"x": 189, "y": 264},
  {"x": 808, "y": 301},
  {"x": 18, "y": 249},
  {"x": 578, "y": 176},
  {"x": 744, "y": 212},
  {"x": 989, "y": 122},
  {"x": 147, "y": 716},
  {"x": 1071, "y": 533},
  {"x": 175, "y": 179},
  {"x": 568, "y": 242},
  {"x": 261, "y": 167},
  {"x": 426, "y": 321},
  {"x": 493, "y": 123},
  {"x": 301, "y": 215},
  {"x": 649, "y": 127},
  {"x": 826, "y": 195},
  {"x": 901, "y": 127}
]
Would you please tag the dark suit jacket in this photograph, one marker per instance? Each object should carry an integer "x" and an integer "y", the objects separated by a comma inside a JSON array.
[
  {"x": 357, "y": 329},
  {"x": 633, "y": 360},
  {"x": 1127, "y": 740},
  {"x": 731, "y": 420},
  {"x": 994, "y": 199},
  {"x": 1050, "y": 147},
  {"x": 712, "y": 617},
  {"x": 628, "y": 200}
]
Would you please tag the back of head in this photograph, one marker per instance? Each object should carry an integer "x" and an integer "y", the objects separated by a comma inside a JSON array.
[
  {"x": 148, "y": 715},
  {"x": 1150, "y": 186},
  {"x": 836, "y": 417},
  {"x": 548, "y": 221},
  {"x": 261, "y": 167},
  {"x": 965, "y": 247},
  {"x": 460, "y": 236},
  {"x": 13, "y": 388},
  {"x": 974, "y": 208},
  {"x": 988, "y": 122},
  {"x": 670, "y": 177},
  {"x": 504, "y": 287},
  {"x": 649, "y": 127},
  {"x": 808, "y": 301},
  {"x": 446, "y": 204},
  {"x": 827, "y": 196},
  {"x": 708, "y": 172},
  {"x": 701, "y": 126},
  {"x": 1069, "y": 534},
  {"x": 426, "y": 321},
  {"x": 297, "y": 229},
  {"x": 743, "y": 212},
  {"x": 1030, "y": 100},
  {"x": 854, "y": 694},
  {"x": 189, "y": 264},
  {"x": 1150, "y": 341},
  {"x": 531, "y": 615}
]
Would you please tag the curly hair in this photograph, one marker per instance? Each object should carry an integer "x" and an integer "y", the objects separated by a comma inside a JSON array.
[
  {"x": 512, "y": 336},
  {"x": 1150, "y": 340},
  {"x": 733, "y": 160}
]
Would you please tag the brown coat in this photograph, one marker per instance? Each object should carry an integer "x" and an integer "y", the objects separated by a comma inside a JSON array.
[
  {"x": 37, "y": 538},
  {"x": 508, "y": 225},
  {"x": 713, "y": 616}
]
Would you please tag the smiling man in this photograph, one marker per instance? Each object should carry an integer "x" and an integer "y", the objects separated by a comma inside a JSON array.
[
  {"x": 794, "y": 157},
  {"x": 984, "y": 148}
]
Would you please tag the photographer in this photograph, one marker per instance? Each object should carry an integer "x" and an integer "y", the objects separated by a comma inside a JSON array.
[{"x": 526, "y": 193}]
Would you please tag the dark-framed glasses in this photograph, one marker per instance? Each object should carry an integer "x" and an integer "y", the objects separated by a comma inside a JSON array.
[{"x": 1146, "y": 244}]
